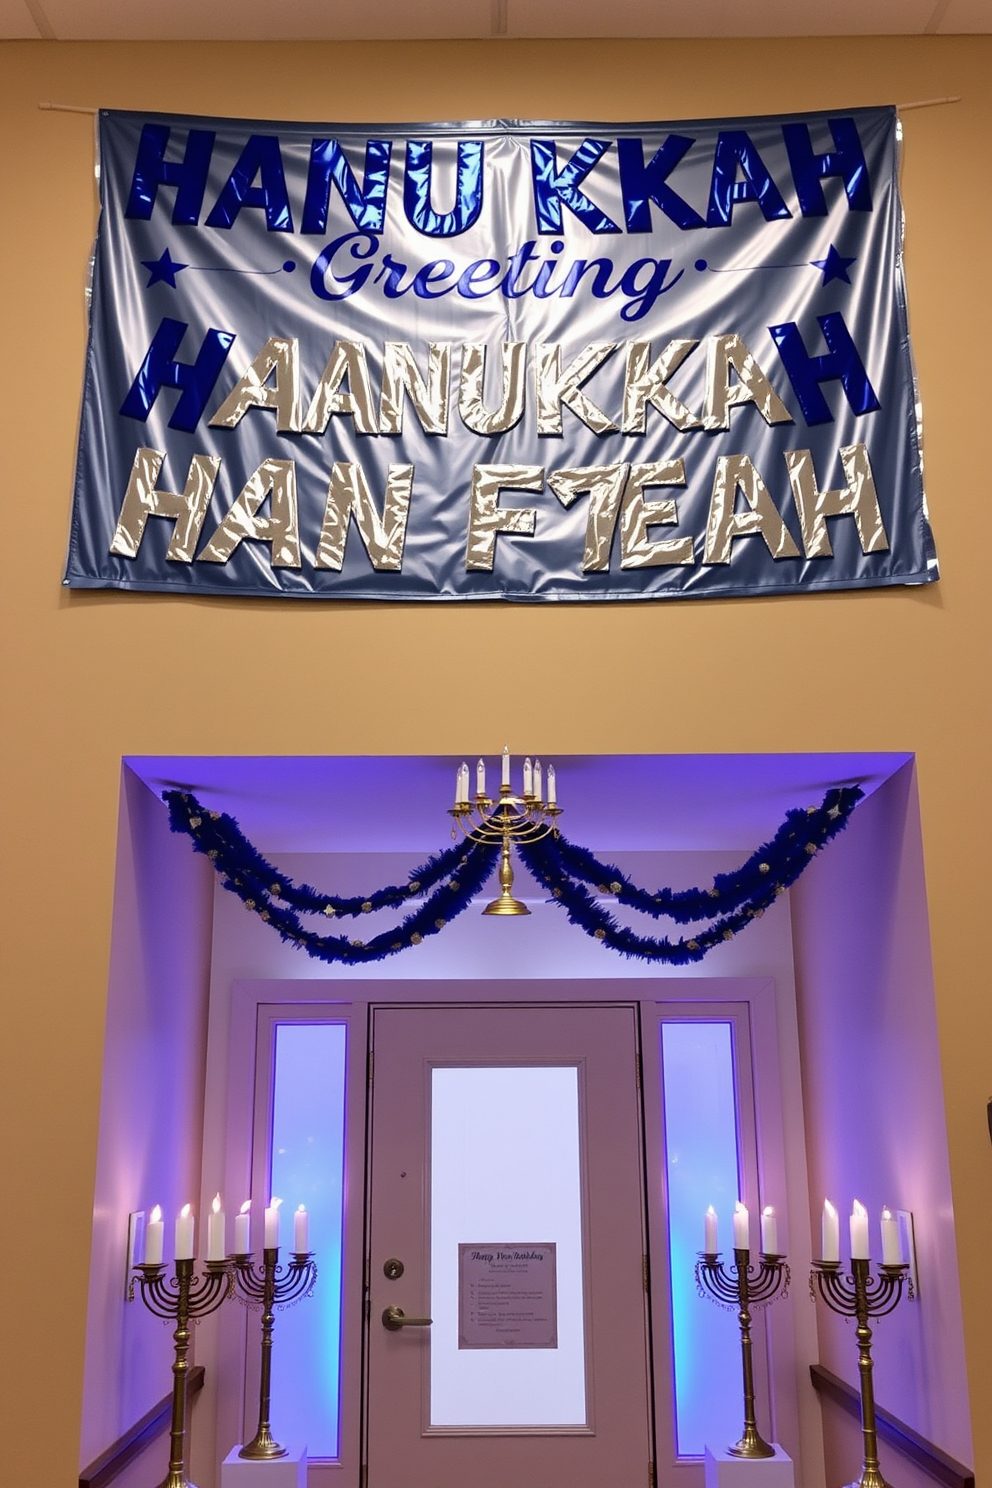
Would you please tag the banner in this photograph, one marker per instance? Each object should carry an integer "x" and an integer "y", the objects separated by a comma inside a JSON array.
[{"x": 500, "y": 360}]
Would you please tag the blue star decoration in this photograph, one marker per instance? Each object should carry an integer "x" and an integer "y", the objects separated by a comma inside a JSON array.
[
  {"x": 834, "y": 266},
  {"x": 165, "y": 269}
]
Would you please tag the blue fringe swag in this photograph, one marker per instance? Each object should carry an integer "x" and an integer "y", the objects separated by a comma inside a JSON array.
[{"x": 447, "y": 882}]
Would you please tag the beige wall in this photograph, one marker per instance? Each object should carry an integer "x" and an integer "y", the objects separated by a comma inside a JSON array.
[{"x": 91, "y": 676}]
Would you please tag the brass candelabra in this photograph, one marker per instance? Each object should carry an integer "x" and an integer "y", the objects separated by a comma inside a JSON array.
[
  {"x": 507, "y": 819},
  {"x": 744, "y": 1286},
  {"x": 861, "y": 1297},
  {"x": 184, "y": 1299},
  {"x": 268, "y": 1287}
]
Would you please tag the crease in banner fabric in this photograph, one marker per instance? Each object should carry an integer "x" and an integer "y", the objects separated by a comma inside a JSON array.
[{"x": 499, "y": 360}]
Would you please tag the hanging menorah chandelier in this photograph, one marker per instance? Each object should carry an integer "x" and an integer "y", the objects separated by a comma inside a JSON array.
[{"x": 507, "y": 819}]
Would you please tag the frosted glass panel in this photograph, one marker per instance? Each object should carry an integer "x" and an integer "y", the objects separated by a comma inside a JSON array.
[
  {"x": 505, "y": 1170},
  {"x": 308, "y": 1168},
  {"x": 701, "y": 1159}
]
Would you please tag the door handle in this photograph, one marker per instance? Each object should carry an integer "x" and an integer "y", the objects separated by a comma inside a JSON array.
[{"x": 394, "y": 1318}]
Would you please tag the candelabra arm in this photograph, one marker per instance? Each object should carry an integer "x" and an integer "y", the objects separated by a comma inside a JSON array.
[
  {"x": 299, "y": 1282},
  {"x": 772, "y": 1279},
  {"x": 247, "y": 1281},
  {"x": 885, "y": 1295},
  {"x": 713, "y": 1281},
  {"x": 155, "y": 1293},
  {"x": 836, "y": 1289}
]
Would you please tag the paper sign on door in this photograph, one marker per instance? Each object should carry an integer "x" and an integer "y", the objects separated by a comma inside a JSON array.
[{"x": 507, "y": 1296}]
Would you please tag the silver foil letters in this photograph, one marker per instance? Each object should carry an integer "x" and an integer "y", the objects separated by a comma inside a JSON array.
[{"x": 187, "y": 508}]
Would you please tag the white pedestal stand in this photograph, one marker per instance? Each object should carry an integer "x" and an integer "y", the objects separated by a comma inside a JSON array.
[
  {"x": 724, "y": 1470},
  {"x": 274, "y": 1472}
]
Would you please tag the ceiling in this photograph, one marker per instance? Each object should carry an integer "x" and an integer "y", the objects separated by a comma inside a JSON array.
[
  {"x": 429, "y": 20},
  {"x": 615, "y": 803}
]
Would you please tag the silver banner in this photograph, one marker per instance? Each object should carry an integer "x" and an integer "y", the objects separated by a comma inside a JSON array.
[{"x": 499, "y": 360}]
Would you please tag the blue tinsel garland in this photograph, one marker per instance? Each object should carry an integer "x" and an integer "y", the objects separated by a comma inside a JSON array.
[
  {"x": 451, "y": 879},
  {"x": 730, "y": 903},
  {"x": 279, "y": 901}
]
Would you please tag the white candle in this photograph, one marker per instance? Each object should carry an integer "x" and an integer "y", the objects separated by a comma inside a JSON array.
[
  {"x": 216, "y": 1232},
  {"x": 528, "y": 778},
  {"x": 552, "y": 798},
  {"x": 709, "y": 1232},
  {"x": 301, "y": 1231},
  {"x": 463, "y": 784},
  {"x": 830, "y": 1233},
  {"x": 769, "y": 1232},
  {"x": 458, "y": 786},
  {"x": 537, "y": 779},
  {"x": 242, "y": 1230},
  {"x": 506, "y": 764},
  {"x": 272, "y": 1225},
  {"x": 891, "y": 1240},
  {"x": 480, "y": 778},
  {"x": 741, "y": 1227},
  {"x": 184, "y": 1233},
  {"x": 859, "y": 1232},
  {"x": 154, "y": 1238}
]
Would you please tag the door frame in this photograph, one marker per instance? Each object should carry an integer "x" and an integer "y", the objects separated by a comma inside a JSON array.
[
  {"x": 238, "y": 1103},
  {"x": 762, "y": 1163},
  {"x": 592, "y": 1222}
]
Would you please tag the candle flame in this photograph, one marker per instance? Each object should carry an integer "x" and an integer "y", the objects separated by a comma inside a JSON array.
[
  {"x": 859, "y": 1209},
  {"x": 156, "y": 1216},
  {"x": 740, "y": 1208},
  {"x": 769, "y": 1213},
  {"x": 829, "y": 1209},
  {"x": 886, "y": 1213},
  {"x": 712, "y": 1211},
  {"x": 274, "y": 1203},
  {"x": 185, "y": 1211},
  {"x": 245, "y": 1207},
  {"x": 216, "y": 1204},
  {"x": 301, "y": 1209}
]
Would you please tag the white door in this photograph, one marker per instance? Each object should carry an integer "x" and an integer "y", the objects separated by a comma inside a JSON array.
[{"x": 506, "y": 1206}]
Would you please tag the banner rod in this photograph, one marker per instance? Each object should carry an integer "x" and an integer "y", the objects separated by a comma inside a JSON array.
[
  {"x": 74, "y": 108},
  {"x": 926, "y": 103}
]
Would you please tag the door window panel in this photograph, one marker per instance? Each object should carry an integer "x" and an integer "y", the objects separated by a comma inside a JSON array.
[
  {"x": 701, "y": 1157},
  {"x": 307, "y": 1167},
  {"x": 506, "y": 1169}
]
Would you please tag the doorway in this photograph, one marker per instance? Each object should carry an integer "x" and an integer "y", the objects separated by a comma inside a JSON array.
[{"x": 508, "y": 1160}]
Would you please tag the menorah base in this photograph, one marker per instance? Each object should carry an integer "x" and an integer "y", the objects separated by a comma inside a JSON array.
[
  {"x": 751, "y": 1445},
  {"x": 262, "y": 1448},
  {"x": 871, "y": 1477},
  {"x": 176, "y": 1478},
  {"x": 506, "y": 905}
]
